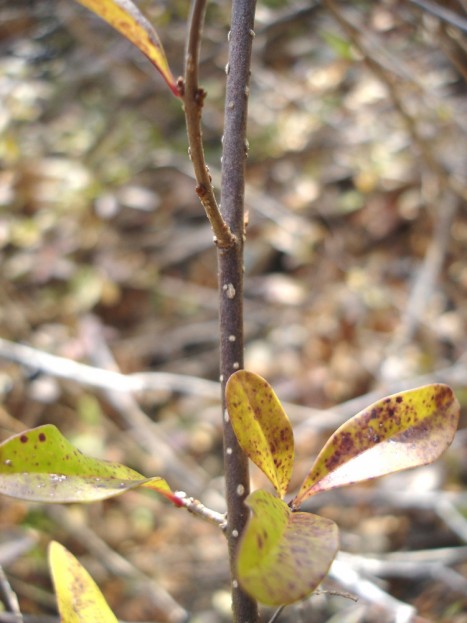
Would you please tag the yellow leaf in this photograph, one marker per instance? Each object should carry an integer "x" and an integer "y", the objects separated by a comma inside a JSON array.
[
  {"x": 79, "y": 598},
  {"x": 283, "y": 556},
  {"x": 404, "y": 430},
  {"x": 42, "y": 466},
  {"x": 125, "y": 17},
  {"x": 261, "y": 426}
]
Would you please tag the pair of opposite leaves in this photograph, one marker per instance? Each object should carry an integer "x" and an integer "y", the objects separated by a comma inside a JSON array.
[{"x": 284, "y": 554}]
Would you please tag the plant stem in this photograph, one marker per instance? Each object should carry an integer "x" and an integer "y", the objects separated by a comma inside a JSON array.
[
  {"x": 230, "y": 264},
  {"x": 193, "y": 99},
  {"x": 195, "y": 507}
]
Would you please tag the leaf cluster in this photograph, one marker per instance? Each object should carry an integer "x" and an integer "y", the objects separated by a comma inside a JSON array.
[{"x": 284, "y": 553}]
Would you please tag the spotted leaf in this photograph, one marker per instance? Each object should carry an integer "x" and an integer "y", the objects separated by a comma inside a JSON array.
[
  {"x": 78, "y": 597},
  {"x": 403, "y": 430},
  {"x": 261, "y": 426},
  {"x": 283, "y": 555},
  {"x": 42, "y": 466},
  {"x": 125, "y": 17}
]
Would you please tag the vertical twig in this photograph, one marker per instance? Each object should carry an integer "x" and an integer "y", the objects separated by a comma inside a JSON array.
[
  {"x": 193, "y": 99},
  {"x": 228, "y": 227},
  {"x": 230, "y": 263}
]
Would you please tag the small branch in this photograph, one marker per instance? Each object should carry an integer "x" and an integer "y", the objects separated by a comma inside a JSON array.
[
  {"x": 16, "y": 547},
  {"x": 276, "y": 615},
  {"x": 445, "y": 15},
  {"x": 307, "y": 418},
  {"x": 353, "y": 581},
  {"x": 455, "y": 555},
  {"x": 181, "y": 470},
  {"x": 426, "y": 280},
  {"x": 195, "y": 507},
  {"x": 423, "y": 288},
  {"x": 8, "y": 617},
  {"x": 401, "y": 500},
  {"x": 8, "y": 596},
  {"x": 400, "y": 565},
  {"x": 64, "y": 368},
  {"x": 193, "y": 99},
  {"x": 118, "y": 390},
  {"x": 452, "y": 375},
  {"x": 455, "y": 520}
]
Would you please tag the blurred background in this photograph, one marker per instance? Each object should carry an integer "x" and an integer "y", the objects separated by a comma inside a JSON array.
[{"x": 356, "y": 284}]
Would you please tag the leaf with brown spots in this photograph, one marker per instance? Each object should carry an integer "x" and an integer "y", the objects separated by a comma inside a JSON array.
[
  {"x": 404, "y": 430},
  {"x": 125, "y": 17},
  {"x": 78, "y": 597},
  {"x": 261, "y": 426},
  {"x": 283, "y": 556},
  {"x": 42, "y": 466}
]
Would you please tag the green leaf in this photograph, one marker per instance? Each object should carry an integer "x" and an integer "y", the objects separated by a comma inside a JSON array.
[
  {"x": 125, "y": 17},
  {"x": 78, "y": 597},
  {"x": 283, "y": 555},
  {"x": 404, "y": 430},
  {"x": 261, "y": 426},
  {"x": 42, "y": 466}
]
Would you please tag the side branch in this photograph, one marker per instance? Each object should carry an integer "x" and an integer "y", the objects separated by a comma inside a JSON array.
[
  {"x": 195, "y": 507},
  {"x": 193, "y": 99}
]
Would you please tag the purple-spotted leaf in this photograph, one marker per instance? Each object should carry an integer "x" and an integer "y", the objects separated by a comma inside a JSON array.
[
  {"x": 125, "y": 17},
  {"x": 41, "y": 465},
  {"x": 261, "y": 426},
  {"x": 78, "y": 597},
  {"x": 283, "y": 555},
  {"x": 404, "y": 430}
]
